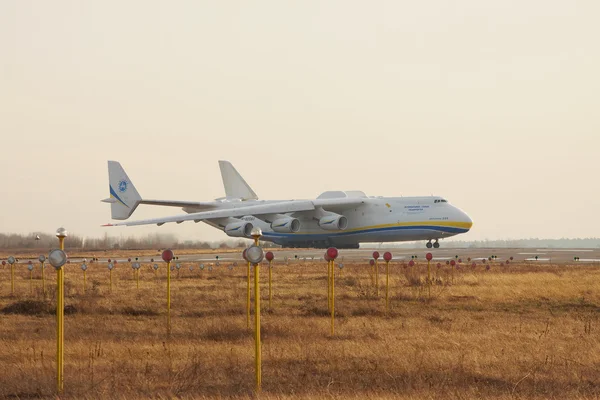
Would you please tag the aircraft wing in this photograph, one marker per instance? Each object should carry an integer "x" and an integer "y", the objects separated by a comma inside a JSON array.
[
  {"x": 292, "y": 206},
  {"x": 272, "y": 208}
]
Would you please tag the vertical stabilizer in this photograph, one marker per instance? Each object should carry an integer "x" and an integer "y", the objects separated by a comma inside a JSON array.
[
  {"x": 124, "y": 197},
  {"x": 235, "y": 185}
]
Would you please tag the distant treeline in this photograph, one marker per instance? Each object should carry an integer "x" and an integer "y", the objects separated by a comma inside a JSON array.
[
  {"x": 153, "y": 241},
  {"x": 581, "y": 243}
]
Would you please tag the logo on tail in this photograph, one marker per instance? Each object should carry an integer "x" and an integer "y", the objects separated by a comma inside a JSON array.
[{"x": 123, "y": 186}]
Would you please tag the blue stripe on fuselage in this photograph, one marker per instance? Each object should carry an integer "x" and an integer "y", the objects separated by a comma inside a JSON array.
[{"x": 295, "y": 236}]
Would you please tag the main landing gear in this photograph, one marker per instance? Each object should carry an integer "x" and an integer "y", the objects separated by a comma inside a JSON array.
[{"x": 435, "y": 245}]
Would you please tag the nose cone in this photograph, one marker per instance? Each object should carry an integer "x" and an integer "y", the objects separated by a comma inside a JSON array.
[{"x": 463, "y": 219}]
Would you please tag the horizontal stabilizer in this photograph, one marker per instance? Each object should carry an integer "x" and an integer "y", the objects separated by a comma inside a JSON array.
[
  {"x": 175, "y": 203},
  {"x": 273, "y": 208}
]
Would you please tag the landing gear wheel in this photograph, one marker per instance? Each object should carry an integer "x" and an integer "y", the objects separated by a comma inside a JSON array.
[
  {"x": 429, "y": 245},
  {"x": 436, "y": 245}
]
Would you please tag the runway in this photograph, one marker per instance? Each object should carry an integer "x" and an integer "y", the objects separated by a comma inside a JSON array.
[{"x": 553, "y": 256}]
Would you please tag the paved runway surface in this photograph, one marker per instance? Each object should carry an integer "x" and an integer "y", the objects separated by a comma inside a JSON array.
[{"x": 557, "y": 256}]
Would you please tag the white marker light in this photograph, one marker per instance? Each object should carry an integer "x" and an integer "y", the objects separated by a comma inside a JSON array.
[
  {"x": 11, "y": 260},
  {"x": 42, "y": 258},
  {"x": 61, "y": 232},
  {"x": 255, "y": 254},
  {"x": 83, "y": 266},
  {"x": 155, "y": 266},
  {"x": 30, "y": 267},
  {"x": 256, "y": 232},
  {"x": 57, "y": 258},
  {"x": 110, "y": 266}
]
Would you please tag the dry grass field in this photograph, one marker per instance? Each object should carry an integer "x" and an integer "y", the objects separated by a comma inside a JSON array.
[{"x": 523, "y": 331}]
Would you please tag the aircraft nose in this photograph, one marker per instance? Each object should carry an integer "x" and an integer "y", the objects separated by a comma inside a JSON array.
[{"x": 464, "y": 219}]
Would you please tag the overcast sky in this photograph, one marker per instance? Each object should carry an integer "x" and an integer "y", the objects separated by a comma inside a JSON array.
[{"x": 491, "y": 104}]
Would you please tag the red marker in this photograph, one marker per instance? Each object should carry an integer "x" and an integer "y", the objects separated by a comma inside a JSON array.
[
  {"x": 269, "y": 256},
  {"x": 167, "y": 255},
  {"x": 332, "y": 252}
]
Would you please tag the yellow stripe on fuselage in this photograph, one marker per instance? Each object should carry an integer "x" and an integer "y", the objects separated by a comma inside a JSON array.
[{"x": 450, "y": 224}]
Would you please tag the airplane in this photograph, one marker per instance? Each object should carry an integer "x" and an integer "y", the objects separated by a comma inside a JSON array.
[{"x": 343, "y": 219}]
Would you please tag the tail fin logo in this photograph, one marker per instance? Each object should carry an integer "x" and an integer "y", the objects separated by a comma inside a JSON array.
[{"x": 123, "y": 186}]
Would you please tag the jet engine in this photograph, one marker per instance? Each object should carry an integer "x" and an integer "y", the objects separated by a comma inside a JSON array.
[
  {"x": 239, "y": 229},
  {"x": 286, "y": 225},
  {"x": 333, "y": 222}
]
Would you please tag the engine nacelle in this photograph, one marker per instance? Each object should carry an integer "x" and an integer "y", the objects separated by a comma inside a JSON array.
[
  {"x": 286, "y": 225},
  {"x": 239, "y": 229},
  {"x": 333, "y": 222}
]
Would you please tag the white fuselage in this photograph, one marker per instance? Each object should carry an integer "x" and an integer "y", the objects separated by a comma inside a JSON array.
[{"x": 377, "y": 219}]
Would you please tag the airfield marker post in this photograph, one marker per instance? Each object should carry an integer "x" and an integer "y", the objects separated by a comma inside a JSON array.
[
  {"x": 58, "y": 259},
  {"x": 332, "y": 253},
  {"x": 30, "y": 268},
  {"x": 167, "y": 256},
  {"x": 269, "y": 256},
  {"x": 452, "y": 264},
  {"x": 11, "y": 260},
  {"x": 247, "y": 288},
  {"x": 371, "y": 272},
  {"x": 84, "y": 268},
  {"x": 376, "y": 258},
  {"x": 429, "y": 257},
  {"x": 328, "y": 259},
  {"x": 255, "y": 254},
  {"x": 387, "y": 256},
  {"x": 42, "y": 260},
  {"x": 110, "y": 268}
]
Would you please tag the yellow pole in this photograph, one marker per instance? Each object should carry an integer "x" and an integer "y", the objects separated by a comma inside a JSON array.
[
  {"x": 328, "y": 285},
  {"x": 257, "y": 326},
  {"x": 12, "y": 278},
  {"x": 169, "y": 298},
  {"x": 376, "y": 278},
  {"x": 83, "y": 281},
  {"x": 429, "y": 278},
  {"x": 248, "y": 297},
  {"x": 110, "y": 278},
  {"x": 43, "y": 281},
  {"x": 452, "y": 269},
  {"x": 332, "y": 297},
  {"x": 270, "y": 283},
  {"x": 387, "y": 285},
  {"x": 137, "y": 278},
  {"x": 31, "y": 281},
  {"x": 58, "y": 334},
  {"x": 60, "y": 322}
]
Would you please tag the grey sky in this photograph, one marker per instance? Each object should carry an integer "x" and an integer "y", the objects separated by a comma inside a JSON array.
[{"x": 492, "y": 104}]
